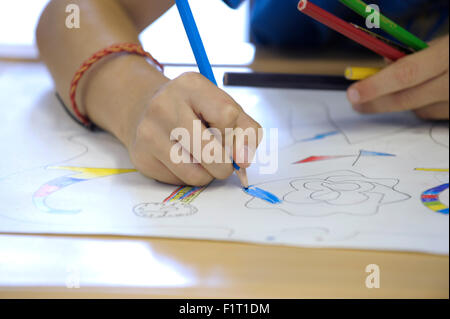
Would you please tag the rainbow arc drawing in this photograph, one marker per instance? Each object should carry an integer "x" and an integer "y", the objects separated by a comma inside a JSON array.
[
  {"x": 431, "y": 199},
  {"x": 79, "y": 174},
  {"x": 184, "y": 194}
]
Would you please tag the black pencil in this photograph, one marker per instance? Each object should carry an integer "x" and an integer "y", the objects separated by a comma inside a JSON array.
[{"x": 287, "y": 81}]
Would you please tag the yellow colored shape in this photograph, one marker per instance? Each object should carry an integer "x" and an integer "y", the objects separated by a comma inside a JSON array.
[
  {"x": 90, "y": 172},
  {"x": 433, "y": 169},
  {"x": 192, "y": 197},
  {"x": 359, "y": 73},
  {"x": 437, "y": 206},
  {"x": 181, "y": 193}
]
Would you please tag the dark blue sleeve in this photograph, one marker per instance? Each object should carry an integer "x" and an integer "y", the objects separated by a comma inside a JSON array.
[{"x": 278, "y": 22}]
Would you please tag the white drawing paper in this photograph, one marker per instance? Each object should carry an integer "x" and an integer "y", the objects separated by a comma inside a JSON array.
[{"x": 344, "y": 180}]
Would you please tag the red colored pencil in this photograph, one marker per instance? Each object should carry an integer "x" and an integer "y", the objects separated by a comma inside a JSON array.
[{"x": 349, "y": 30}]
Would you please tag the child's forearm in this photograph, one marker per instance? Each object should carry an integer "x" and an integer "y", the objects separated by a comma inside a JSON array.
[{"x": 109, "y": 93}]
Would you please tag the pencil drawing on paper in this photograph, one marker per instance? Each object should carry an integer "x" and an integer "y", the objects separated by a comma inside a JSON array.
[
  {"x": 439, "y": 135},
  {"x": 325, "y": 122},
  {"x": 431, "y": 200},
  {"x": 78, "y": 175},
  {"x": 262, "y": 194},
  {"x": 321, "y": 158},
  {"x": 177, "y": 204},
  {"x": 339, "y": 192},
  {"x": 162, "y": 210},
  {"x": 436, "y": 170},
  {"x": 70, "y": 181},
  {"x": 319, "y": 137},
  {"x": 361, "y": 154},
  {"x": 364, "y": 153}
]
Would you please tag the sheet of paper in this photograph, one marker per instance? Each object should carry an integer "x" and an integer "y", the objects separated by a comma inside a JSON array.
[{"x": 344, "y": 180}]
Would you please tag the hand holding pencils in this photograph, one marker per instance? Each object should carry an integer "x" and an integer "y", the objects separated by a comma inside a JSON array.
[
  {"x": 206, "y": 70},
  {"x": 370, "y": 40},
  {"x": 419, "y": 82},
  {"x": 349, "y": 30}
]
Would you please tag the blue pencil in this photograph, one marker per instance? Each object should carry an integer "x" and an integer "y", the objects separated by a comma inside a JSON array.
[
  {"x": 195, "y": 40},
  {"x": 202, "y": 59}
]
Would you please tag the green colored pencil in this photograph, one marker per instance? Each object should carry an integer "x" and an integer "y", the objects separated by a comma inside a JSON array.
[{"x": 389, "y": 26}]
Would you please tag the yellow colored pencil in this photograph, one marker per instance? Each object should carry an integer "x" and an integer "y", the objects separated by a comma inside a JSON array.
[{"x": 360, "y": 73}]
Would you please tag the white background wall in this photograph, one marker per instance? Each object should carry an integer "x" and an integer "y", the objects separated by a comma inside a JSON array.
[{"x": 224, "y": 31}]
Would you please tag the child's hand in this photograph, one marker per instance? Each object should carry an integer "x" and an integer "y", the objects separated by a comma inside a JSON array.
[
  {"x": 176, "y": 105},
  {"x": 419, "y": 82},
  {"x": 118, "y": 94}
]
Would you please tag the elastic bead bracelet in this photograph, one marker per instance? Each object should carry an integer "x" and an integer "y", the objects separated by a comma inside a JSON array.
[{"x": 116, "y": 48}]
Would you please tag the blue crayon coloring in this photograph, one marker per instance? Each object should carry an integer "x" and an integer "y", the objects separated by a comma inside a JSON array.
[
  {"x": 370, "y": 153},
  {"x": 320, "y": 136},
  {"x": 262, "y": 194}
]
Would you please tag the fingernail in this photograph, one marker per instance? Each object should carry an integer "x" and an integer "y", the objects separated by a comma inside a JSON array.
[{"x": 354, "y": 96}]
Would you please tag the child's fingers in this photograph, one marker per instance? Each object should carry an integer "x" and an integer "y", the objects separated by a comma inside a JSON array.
[
  {"x": 153, "y": 142},
  {"x": 175, "y": 123},
  {"x": 430, "y": 92},
  {"x": 214, "y": 105},
  {"x": 220, "y": 111},
  {"x": 151, "y": 167},
  {"x": 189, "y": 172},
  {"x": 204, "y": 146},
  {"x": 437, "y": 111},
  {"x": 405, "y": 73},
  {"x": 222, "y": 117},
  {"x": 247, "y": 145}
]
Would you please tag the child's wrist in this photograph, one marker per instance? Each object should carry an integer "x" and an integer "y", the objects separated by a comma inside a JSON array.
[
  {"x": 126, "y": 129},
  {"x": 116, "y": 91}
]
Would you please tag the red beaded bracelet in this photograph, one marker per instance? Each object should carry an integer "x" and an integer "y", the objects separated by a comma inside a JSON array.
[{"x": 116, "y": 48}]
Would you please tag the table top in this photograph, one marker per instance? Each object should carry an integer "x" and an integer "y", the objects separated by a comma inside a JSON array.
[
  {"x": 40, "y": 266},
  {"x": 53, "y": 266}
]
